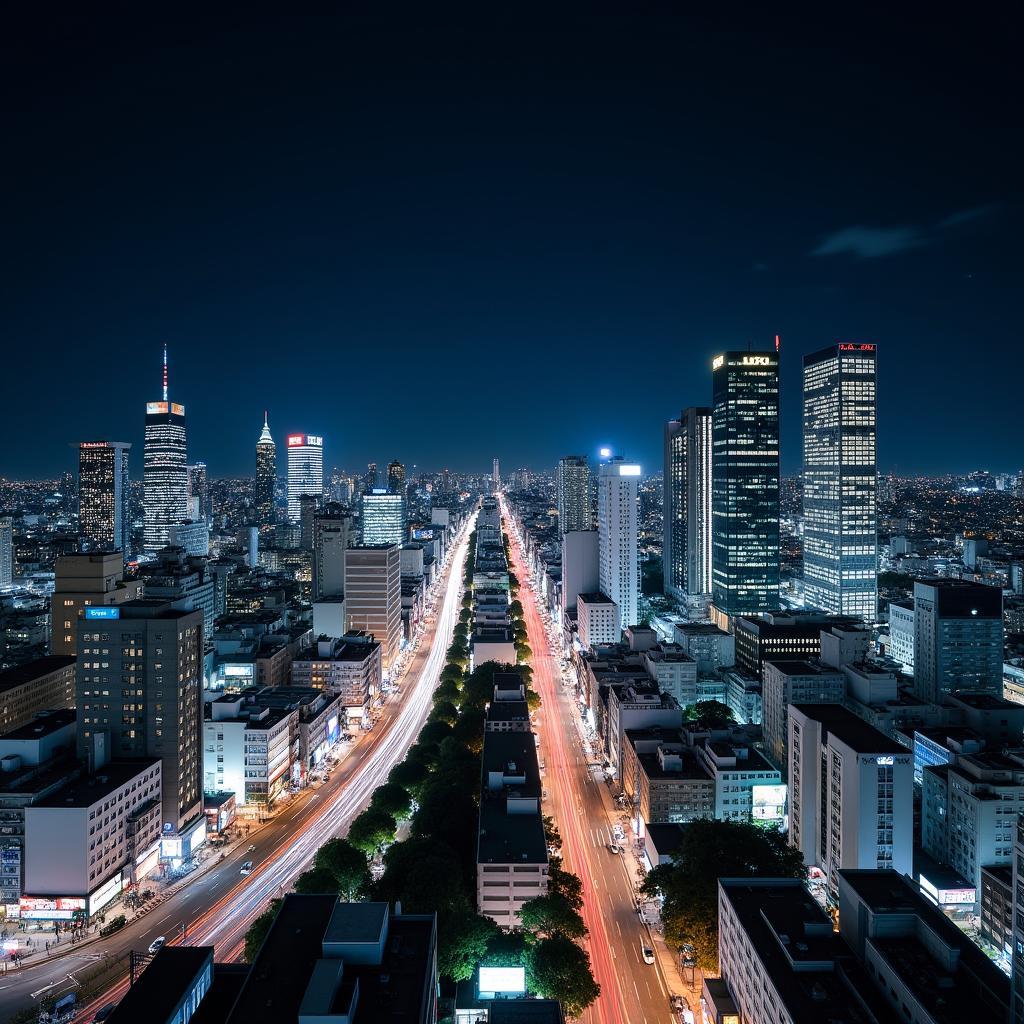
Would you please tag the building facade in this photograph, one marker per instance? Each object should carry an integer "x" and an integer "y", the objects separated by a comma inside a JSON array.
[
  {"x": 305, "y": 470},
  {"x": 103, "y": 518},
  {"x": 618, "y": 537},
  {"x": 745, "y": 483},
  {"x": 165, "y": 472},
  {"x": 373, "y": 595},
  {"x": 266, "y": 476},
  {"x": 687, "y": 503},
  {"x": 840, "y": 481},
  {"x": 383, "y": 517},
  {"x": 574, "y": 494}
]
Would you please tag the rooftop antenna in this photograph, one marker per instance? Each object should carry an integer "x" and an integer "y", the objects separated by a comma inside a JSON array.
[
  {"x": 165, "y": 371},
  {"x": 778, "y": 342}
]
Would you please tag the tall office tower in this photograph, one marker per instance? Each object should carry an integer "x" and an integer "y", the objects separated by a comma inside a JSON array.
[
  {"x": 446, "y": 481},
  {"x": 958, "y": 638},
  {"x": 396, "y": 477},
  {"x": 165, "y": 469},
  {"x": 370, "y": 476},
  {"x": 373, "y": 595},
  {"x": 266, "y": 476},
  {"x": 618, "y": 506},
  {"x": 139, "y": 693},
  {"x": 308, "y": 505},
  {"x": 495, "y": 476},
  {"x": 840, "y": 474},
  {"x": 331, "y": 529},
  {"x": 687, "y": 504},
  {"x": 198, "y": 493},
  {"x": 305, "y": 470},
  {"x": 745, "y": 483},
  {"x": 383, "y": 517},
  {"x": 574, "y": 495},
  {"x": 94, "y": 580},
  {"x": 6, "y": 551},
  {"x": 103, "y": 519}
]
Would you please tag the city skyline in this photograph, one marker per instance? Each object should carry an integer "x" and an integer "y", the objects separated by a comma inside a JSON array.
[{"x": 673, "y": 240}]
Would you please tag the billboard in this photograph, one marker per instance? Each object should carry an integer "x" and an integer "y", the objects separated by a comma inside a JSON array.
[
  {"x": 502, "y": 979},
  {"x": 51, "y": 908},
  {"x": 106, "y": 612},
  {"x": 768, "y": 803}
]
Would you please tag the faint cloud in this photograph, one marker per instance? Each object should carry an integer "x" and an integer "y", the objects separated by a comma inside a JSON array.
[
  {"x": 870, "y": 243},
  {"x": 955, "y": 220}
]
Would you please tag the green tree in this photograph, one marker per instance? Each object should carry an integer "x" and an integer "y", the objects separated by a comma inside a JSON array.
[
  {"x": 462, "y": 941},
  {"x": 452, "y": 673},
  {"x": 533, "y": 701},
  {"x": 523, "y": 651},
  {"x": 551, "y": 914},
  {"x": 710, "y": 714},
  {"x": 710, "y": 850},
  {"x": 433, "y": 732},
  {"x": 556, "y": 968},
  {"x": 551, "y": 834},
  {"x": 565, "y": 884},
  {"x": 347, "y": 865},
  {"x": 410, "y": 774},
  {"x": 317, "y": 880},
  {"x": 393, "y": 799},
  {"x": 515, "y": 609},
  {"x": 467, "y": 599},
  {"x": 371, "y": 830},
  {"x": 258, "y": 930},
  {"x": 449, "y": 691},
  {"x": 444, "y": 711},
  {"x": 469, "y": 729}
]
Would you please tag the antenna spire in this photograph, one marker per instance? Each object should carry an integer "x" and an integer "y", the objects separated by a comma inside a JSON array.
[{"x": 165, "y": 371}]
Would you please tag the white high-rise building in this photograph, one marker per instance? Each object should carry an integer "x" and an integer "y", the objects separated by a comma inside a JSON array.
[
  {"x": 618, "y": 507},
  {"x": 305, "y": 470},
  {"x": 574, "y": 494},
  {"x": 840, "y": 481},
  {"x": 495, "y": 476},
  {"x": 383, "y": 516},
  {"x": 165, "y": 470}
]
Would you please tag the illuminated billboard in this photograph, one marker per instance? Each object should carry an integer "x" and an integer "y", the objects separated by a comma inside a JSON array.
[
  {"x": 629, "y": 470},
  {"x": 768, "y": 803},
  {"x": 103, "y": 613},
  {"x": 502, "y": 979},
  {"x": 51, "y": 908},
  {"x": 305, "y": 440},
  {"x": 154, "y": 408},
  {"x": 178, "y": 410}
]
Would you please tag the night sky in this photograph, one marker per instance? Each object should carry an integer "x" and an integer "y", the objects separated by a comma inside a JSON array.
[{"x": 443, "y": 240}]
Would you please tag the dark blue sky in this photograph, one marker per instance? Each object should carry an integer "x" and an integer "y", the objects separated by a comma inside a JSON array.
[{"x": 444, "y": 240}]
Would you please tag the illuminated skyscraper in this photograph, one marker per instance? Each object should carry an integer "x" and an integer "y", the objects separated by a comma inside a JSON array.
[
  {"x": 687, "y": 504},
  {"x": 840, "y": 481},
  {"x": 305, "y": 470},
  {"x": 574, "y": 494},
  {"x": 495, "y": 476},
  {"x": 165, "y": 469},
  {"x": 618, "y": 544},
  {"x": 396, "y": 477},
  {"x": 198, "y": 493},
  {"x": 745, "y": 483},
  {"x": 331, "y": 528},
  {"x": 103, "y": 495},
  {"x": 370, "y": 476},
  {"x": 266, "y": 476},
  {"x": 6, "y": 551},
  {"x": 383, "y": 517}
]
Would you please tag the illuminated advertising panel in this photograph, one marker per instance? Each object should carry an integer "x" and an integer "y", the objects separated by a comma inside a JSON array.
[
  {"x": 848, "y": 346},
  {"x": 105, "y": 612},
  {"x": 768, "y": 803},
  {"x": 296, "y": 440},
  {"x": 154, "y": 408},
  {"x": 51, "y": 908},
  {"x": 178, "y": 410},
  {"x": 629, "y": 470},
  {"x": 957, "y": 896},
  {"x": 717, "y": 362},
  {"x": 503, "y": 979}
]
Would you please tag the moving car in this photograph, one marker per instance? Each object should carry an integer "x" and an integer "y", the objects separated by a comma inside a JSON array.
[
  {"x": 615, "y": 848},
  {"x": 246, "y": 867},
  {"x": 252, "y": 848},
  {"x": 648, "y": 954},
  {"x": 157, "y": 943}
]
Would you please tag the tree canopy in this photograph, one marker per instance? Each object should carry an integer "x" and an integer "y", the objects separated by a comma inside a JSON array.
[
  {"x": 258, "y": 931},
  {"x": 394, "y": 799},
  {"x": 317, "y": 880},
  {"x": 710, "y": 714},
  {"x": 551, "y": 914},
  {"x": 347, "y": 865},
  {"x": 371, "y": 830},
  {"x": 710, "y": 850},
  {"x": 556, "y": 968}
]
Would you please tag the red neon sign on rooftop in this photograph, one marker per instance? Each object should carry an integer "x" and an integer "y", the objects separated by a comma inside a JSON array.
[{"x": 850, "y": 346}]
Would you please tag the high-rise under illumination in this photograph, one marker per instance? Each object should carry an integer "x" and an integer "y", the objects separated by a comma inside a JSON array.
[
  {"x": 396, "y": 477},
  {"x": 574, "y": 494},
  {"x": 266, "y": 475},
  {"x": 618, "y": 505},
  {"x": 6, "y": 551},
  {"x": 745, "y": 483},
  {"x": 305, "y": 470},
  {"x": 165, "y": 470},
  {"x": 383, "y": 516},
  {"x": 103, "y": 494},
  {"x": 687, "y": 504},
  {"x": 840, "y": 481}
]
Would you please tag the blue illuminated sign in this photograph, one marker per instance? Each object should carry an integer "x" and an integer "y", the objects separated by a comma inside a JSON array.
[{"x": 103, "y": 613}]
